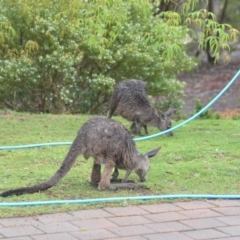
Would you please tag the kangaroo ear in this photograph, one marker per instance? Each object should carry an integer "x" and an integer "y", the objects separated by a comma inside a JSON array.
[
  {"x": 169, "y": 112},
  {"x": 153, "y": 152},
  {"x": 160, "y": 113}
]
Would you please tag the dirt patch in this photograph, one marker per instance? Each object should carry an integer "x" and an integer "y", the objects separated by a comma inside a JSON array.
[{"x": 205, "y": 82}]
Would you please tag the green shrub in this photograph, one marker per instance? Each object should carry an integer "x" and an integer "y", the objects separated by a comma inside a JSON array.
[
  {"x": 208, "y": 114},
  {"x": 66, "y": 56}
]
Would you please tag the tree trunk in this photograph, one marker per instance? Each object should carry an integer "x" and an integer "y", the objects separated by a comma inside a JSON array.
[{"x": 211, "y": 59}]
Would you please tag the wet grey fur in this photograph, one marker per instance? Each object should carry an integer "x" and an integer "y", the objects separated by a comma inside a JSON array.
[
  {"x": 108, "y": 143},
  {"x": 130, "y": 100}
]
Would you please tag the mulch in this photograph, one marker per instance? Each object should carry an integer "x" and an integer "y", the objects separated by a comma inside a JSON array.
[{"x": 205, "y": 82}]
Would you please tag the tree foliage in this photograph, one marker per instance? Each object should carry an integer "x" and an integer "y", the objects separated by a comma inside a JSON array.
[
  {"x": 212, "y": 33},
  {"x": 67, "y": 55}
]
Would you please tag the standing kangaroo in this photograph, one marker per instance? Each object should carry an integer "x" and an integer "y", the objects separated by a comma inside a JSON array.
[
  {"x": 130, "y": 100},
  {"x": 108, "y": 142}
]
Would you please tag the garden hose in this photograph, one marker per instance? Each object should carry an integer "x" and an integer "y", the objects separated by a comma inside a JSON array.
[
  {"x": 153, "y": 197},
  {"x": 117, "y": 199}
]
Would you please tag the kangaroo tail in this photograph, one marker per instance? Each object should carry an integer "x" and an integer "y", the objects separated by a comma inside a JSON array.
[{"x": 66, "y": 165}]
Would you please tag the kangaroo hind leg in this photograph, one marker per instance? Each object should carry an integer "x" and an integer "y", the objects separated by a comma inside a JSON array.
[
  {"x": 106, "y": 176},
  {"x": 96, "y": 174},
  {"x": 115, "y": 174}
]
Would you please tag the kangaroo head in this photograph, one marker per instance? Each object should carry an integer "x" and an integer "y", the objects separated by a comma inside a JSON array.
[
  {"x": 164, "y": 121},
  {"x": 143, "y": 163}
]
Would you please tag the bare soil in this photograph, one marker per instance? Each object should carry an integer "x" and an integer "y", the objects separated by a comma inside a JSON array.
[{"x": 205, "y": 82}]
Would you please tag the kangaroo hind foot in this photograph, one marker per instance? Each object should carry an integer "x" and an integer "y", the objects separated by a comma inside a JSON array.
[{"x": 127, "y": 185}]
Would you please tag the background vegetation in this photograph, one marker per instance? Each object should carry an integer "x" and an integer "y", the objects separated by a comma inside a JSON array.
[{"x": 66, "y": 56}]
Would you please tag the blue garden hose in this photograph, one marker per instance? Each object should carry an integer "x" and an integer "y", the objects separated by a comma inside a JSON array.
[
  {"x": 118, "y": 199},
  {"x": 97, "y": 200}
]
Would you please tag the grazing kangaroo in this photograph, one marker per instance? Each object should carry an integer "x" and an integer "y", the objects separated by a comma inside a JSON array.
[
  {"x": 163, "y": 115},
  {"x": 109, "y": 143},
  {"x": 130, "y": 100}
]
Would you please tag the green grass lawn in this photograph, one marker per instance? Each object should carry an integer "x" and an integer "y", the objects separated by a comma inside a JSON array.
[{"x": 203, "y": 157}]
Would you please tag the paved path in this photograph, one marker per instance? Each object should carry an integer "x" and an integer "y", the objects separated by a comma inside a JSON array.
[{"x": 218, "y": 219}]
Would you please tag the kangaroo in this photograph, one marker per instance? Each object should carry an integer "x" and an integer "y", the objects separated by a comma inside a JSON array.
[
  {"x": 129, "y": 99},
  {"x": 109, "y": 143},
  {"x": 163, "y": 115}
]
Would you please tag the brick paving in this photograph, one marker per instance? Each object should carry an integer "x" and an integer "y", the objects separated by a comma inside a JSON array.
[{"x": 211, "y": 219}]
